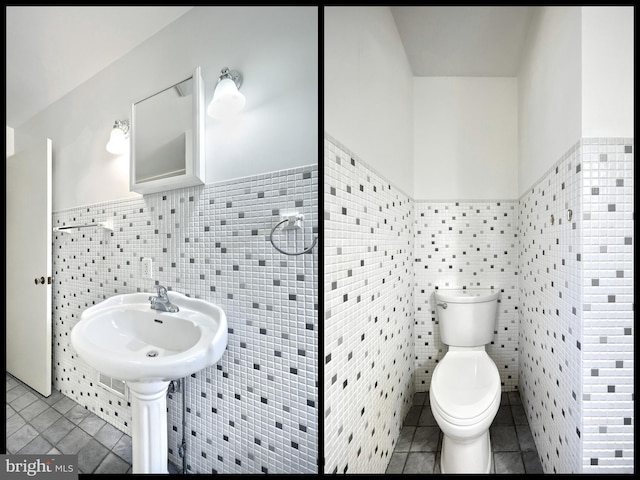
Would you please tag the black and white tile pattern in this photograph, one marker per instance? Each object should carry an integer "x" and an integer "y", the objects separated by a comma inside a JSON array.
[
  {"x": 256, "y": 410},
  {"x": 562, "y": 258},
  {"x": 466, "y": 245},
  {"x": 368, "y": 314},
  {"x": 576, "y": 315},
  {"x": 550, "y": 314},
  {"x": 608, "y": 329}
]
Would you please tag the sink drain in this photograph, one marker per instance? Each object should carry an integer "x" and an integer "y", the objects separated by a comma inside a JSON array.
[{"x": 152, "y": 353}]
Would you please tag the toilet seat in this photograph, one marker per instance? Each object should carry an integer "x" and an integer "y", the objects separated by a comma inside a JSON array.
[{"x": 465, "y": 386}]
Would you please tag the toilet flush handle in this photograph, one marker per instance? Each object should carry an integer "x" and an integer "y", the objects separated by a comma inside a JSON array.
[{"x": 443, "y": 305}]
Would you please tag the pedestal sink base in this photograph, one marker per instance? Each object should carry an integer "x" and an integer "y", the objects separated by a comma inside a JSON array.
[{"x": 149, "y": 426}]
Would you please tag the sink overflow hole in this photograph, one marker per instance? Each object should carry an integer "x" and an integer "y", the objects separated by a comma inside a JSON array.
[
  {"x": 152, "y": 353},
  {"x": 157, "y": 321}
]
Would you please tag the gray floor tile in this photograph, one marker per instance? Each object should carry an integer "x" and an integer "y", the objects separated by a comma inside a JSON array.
[
  {"x": 64, "y": 405},
  {"x": 419, "y": 398},
  {"x": 396, "y": 463},
  {"x": 504, "y": 439},
  {"x": 108, "y": 435},
  {"x": 519, "y": 415},
  {"x": 512, "y": 445},
  {"x": 58, "y": 430},
  {"x": 91, "y": 455},
  {"x": 37, "y": 446},
  {"x": 503, "y": 417},
  {"x": 77, "y": 413},
  {"x": 436, "y": 467},
  {"x": 413, "y": 416},
  {"x": 33, "y": 410},
  {"x": 123, "y": 448},
  {"x": 112, "y": 464},
  {"x": 405, "y": 438},
  {"x": 11, "y": 382},
  {"x": 425, "y": 439},
  {"x": 73, "y": 441},
  {"x": 525, "y": 438},
  {"x": 420, "y": 462},
  {"x": 92, "y": 424},
  {"x": 22, "y": 436},
  {"x": 23, "y": 401},
  {"x": 426, "y": 417},
  {"x": 55, "y": 397},
  {"x": 514, "y": 398},
  {"x": 508, "y": 462},
  {"x": 15, "y": 393},
  {"x": 45, "y": 419},
  {"x": 532, "y": 462},
  {"x": 14, "y": 424},
  {"x": 58, "y": 425}
]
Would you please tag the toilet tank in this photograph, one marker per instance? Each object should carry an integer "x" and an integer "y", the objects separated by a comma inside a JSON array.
[{"x": 467, "y": 317}]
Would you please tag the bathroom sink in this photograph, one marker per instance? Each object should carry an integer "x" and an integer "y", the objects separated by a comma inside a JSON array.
[{"x": 125, "y": 338}]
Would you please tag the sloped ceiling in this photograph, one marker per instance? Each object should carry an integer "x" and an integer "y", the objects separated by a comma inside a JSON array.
[{"x": 52, "y": 50}]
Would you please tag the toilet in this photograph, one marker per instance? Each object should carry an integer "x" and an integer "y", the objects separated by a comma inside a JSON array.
[{"x": 465, "y": 385}]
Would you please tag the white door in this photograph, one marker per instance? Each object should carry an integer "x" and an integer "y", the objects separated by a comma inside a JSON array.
[{"x": 28, "y": 273}]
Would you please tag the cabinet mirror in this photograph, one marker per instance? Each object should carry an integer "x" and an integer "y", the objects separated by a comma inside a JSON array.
[{"x": 167, "y": 131}]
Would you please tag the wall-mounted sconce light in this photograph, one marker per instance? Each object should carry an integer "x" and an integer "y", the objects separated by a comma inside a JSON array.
[
  {"x": 118, "y": 139},
  {"x": 227, "y": 99}
]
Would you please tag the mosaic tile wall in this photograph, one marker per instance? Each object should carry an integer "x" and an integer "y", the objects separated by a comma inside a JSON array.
[
  {"x": 466, "y": 244},
  {"x": 607, "y": 285},
  {"x": 551, "y": 314},
  {"x": 576, "y": 315},
  {"x": 368, "y": 317},
  {"x": 256, "y": 410}
]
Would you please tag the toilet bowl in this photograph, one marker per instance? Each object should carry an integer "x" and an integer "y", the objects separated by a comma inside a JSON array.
[
  {"x": 465, "y": 397},
  {"x": 465, "y": 386}
]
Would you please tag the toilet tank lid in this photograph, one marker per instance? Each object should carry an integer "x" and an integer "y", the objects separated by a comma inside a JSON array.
[{"x": 467, "y": 295}]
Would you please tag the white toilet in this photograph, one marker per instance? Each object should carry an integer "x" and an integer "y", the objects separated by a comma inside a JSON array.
[{"x": 465, "y": 386}]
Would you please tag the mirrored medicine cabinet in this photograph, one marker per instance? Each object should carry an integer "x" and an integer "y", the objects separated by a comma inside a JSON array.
[{"x": 167, "y": 137}]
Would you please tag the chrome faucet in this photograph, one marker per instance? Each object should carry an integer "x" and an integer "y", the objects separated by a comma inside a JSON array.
[{"x": 161, "y": 301}]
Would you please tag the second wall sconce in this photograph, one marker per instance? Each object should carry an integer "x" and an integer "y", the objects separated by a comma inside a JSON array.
[
  {"x": 227, "y": 99},
  {"x": 118, "y": 140}
]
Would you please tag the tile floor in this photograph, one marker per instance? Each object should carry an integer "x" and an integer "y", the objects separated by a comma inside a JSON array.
[
  {"x": 420, "y": 443},
  {"x": 58, "y": 425}
]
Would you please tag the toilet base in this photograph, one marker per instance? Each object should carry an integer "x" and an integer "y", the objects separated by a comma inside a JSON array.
[{"x": 466, "y": 456}]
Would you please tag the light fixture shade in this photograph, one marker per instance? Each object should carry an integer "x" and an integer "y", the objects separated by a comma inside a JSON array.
[
  {"x": 118, "y": 139},
  {"x": 227, "y": 99}
]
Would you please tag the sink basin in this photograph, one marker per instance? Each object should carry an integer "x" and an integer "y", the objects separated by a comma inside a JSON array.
[{"x": 123, "y": 337}]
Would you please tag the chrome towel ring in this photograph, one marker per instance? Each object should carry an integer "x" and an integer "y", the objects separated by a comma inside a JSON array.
[{"x": 293, "y": 223}]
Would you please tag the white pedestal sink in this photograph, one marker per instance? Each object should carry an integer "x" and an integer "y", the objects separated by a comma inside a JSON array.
[{"x": 124, "y": 338}]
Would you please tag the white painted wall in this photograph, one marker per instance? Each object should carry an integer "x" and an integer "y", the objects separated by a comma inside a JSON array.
[
  {"x": 368, "y": 90},
  {"x": 549, "y": 92},
  {"x": 465, "y": 138},
  {"x": 275, "y": 49},
  {"x": 607, "y": 71}
]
